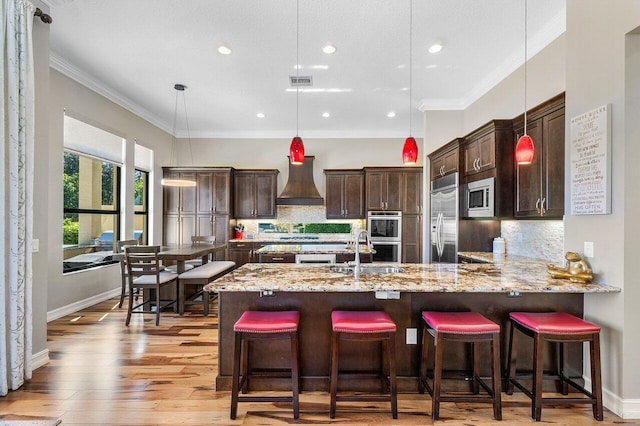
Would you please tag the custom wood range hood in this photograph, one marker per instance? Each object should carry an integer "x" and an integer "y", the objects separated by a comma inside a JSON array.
[{"x": 300, "y": 189}]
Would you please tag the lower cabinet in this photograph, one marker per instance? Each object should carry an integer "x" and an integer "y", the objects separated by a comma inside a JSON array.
[
  {"x": 412, "y": 238},
  {"x": 277, "y": 258},
  {"x": 243, "y": 252}
]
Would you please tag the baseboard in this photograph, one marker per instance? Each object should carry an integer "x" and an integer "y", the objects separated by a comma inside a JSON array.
[
  {"x": 82, "y": 304},
  {"x": 627, "y": 409},
  {"x": 39, "y": 359}
]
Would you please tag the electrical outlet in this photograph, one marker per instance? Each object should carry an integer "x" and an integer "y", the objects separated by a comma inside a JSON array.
[
  {"x": 381, "y": 294},
  {"x": 35, "y": 245},
  {"x": 588, "y": 249},
  {"x": 412, "y": 336}
]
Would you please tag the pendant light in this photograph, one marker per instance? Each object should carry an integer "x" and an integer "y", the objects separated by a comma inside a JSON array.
[
  {"x": 179, "y": 181},
  {"x": 524, "y": 147},
  {"x": 296, "y": 149},
  {"x": 410, "y": 148}
]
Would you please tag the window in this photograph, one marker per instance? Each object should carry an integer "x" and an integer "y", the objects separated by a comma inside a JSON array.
[
  {"x": 141, "y": 206},
  {"x": 91, "y": 211}
]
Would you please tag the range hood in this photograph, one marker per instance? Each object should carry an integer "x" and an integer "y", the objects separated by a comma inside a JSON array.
[{"x": 300, "y": 189}]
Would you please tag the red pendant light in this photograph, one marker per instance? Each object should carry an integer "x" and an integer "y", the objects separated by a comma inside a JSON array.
[
  {"x": 410, "y": 151},
  {"x": 524, "y": 150},
  {"x": 296, "y": 151},
  {"x": 524, "y": 147},
  {"x": 410, "y": 148}
]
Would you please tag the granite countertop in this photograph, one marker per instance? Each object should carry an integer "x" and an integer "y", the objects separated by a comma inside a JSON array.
[
  {"x": 506, "y": 274},
  {"x": 313, "y": 248}
]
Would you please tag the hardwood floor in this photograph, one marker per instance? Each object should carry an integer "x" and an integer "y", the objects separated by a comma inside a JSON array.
[{"x": 104, "y": 373}]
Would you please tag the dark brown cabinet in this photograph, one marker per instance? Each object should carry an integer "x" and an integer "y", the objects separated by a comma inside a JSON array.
[
  {"x": 383, "y": 189},
  {"x": 412, "y": 190},
  {"x": 445, "y": 160},
  {"x": 480, "y": 154},
  {"x": 255, "y": 194},
  {"x": 412, "y": 238},
  {"x": 539, "y": 191},
  {"x": 244, "y": 251},
  {"x": 198, "y": 210},
  {"x": 345, "y": 194}
]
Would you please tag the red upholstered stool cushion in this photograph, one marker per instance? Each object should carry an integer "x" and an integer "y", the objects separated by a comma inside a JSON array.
[
  {"x": 362, "y": 322},
  {"x": 553, "y": 322},
  {"x": 460, "y": 322},
  {"x": 267, "y": 322}
]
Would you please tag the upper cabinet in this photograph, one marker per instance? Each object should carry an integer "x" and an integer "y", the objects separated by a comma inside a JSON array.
[
  {"x": 412, "y": 190},
  {"x": 383, "y": 188},
  {"x": 445, "y": 160},
  {"x": 480, "y": 154},
  {"x": 540, "y": 185},
  {"x": 255, "y": 194},
  {"x": 345, "y": 194},
  {"x": 214, "y": 192}
]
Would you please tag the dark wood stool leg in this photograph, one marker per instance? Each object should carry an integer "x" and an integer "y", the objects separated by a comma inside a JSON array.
[
  {"x": 391, "y": 355},
  {"x": 334, "y": 373},
  {"x": 511, "y": 357},
  {"x": 536, "y": 406},
  {"x": 596, "y": 380},
  {"x": 384, "y": 367},
  {"x": 235, "y": 378},
  {"x": 563, "y": 362},
  {"x": 475, "y": 350},
  {"x": 244, "y": 368},
  {"x": 295, "y": 381},
  {"x": 424, "y": 352},
  {"x": 495, "y": 371},
  {"x": 437, "y": 376}
]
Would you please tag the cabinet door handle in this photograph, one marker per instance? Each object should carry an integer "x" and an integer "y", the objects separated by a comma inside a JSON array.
[
  {"x": 346, "y": 212},
  {"x": 542, "y": 208},
  {"x": 479, "y": 163},
  {"x": 277, "y": 258},
  {"x": 538, "y": 206},
  {"x": 443, "y": 170}
]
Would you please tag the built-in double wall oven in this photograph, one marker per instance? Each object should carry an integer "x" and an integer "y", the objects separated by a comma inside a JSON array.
[{"x": 385, "y": 229}]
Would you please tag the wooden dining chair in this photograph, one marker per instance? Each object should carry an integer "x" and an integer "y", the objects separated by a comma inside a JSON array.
[
  {"x": 201, "y": 239},
  {"x": 120, "y": 245},
  {"x": 145, "y": 273}
]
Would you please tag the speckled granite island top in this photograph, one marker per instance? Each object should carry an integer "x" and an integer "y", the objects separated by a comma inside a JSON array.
[{"x": 506, "y": 274}]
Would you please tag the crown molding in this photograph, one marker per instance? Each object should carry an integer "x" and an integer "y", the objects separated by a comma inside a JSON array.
[{"x": 64, "y": 67}]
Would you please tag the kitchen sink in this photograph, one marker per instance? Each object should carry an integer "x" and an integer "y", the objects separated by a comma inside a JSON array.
[{"x": 367, "y": 269}]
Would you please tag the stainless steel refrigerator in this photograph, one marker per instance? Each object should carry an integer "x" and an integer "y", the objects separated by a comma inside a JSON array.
[{"x": 444, "y": 219}]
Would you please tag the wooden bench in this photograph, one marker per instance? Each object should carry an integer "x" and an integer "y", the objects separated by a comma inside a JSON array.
[{"x": 201, "y": 276}]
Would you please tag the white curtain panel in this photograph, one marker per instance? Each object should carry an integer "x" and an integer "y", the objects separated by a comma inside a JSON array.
[{"x": 16, "y": 193}]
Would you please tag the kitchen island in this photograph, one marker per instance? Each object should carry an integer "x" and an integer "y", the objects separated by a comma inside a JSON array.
[{"x": 495, "y": 289}]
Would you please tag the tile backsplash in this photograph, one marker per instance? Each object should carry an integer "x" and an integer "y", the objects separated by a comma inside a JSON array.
[
  {"x": 286, "y": 215},
  {"x": 539, "y": 239}
]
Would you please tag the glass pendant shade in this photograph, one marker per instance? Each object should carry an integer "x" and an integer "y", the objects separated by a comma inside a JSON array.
[
  {"x": 177, "y": 182},
  {"x": 296, "y": 151},
  {"x": 524, "y": 150},
  {"x": 410, "y": 151}
]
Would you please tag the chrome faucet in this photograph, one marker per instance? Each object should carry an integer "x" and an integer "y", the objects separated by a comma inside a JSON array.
[{"x": 356, "y": 242}]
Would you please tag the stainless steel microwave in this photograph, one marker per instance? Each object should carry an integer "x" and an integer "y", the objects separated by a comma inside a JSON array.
[{"x": 479, "y": 198}]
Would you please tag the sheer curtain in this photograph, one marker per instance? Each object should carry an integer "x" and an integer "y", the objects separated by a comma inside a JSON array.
[{"x": 16, "y": 192}]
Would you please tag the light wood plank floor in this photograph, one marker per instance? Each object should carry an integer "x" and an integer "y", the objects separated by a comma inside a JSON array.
[{"x": 104, "y": 373}]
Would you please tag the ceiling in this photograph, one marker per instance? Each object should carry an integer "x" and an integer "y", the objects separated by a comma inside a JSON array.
[{"x": 133, "y": 52}]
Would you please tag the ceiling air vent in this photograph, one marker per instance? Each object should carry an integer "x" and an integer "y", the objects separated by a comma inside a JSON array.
[{"x": 301, "y": 81}]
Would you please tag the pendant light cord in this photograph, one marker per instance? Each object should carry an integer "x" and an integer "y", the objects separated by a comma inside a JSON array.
[
  {"x": 186, "y": 119},
  {"x": 297, "y": 61},
  {"x": 410, "y": 62},
  {"x": 525, "y": 66},
  {"x": 174, "y": 151}
]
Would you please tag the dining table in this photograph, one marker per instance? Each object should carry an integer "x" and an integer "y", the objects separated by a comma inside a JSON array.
[{"x": 180, "y": 253}]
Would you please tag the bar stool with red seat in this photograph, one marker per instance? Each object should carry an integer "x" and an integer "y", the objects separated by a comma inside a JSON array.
[
  {"x": 561, "y": 328},
  {"x": 470, "y": 327},
  {"x": 263, "y": 325},
  {"x": 364, "y": 326}
]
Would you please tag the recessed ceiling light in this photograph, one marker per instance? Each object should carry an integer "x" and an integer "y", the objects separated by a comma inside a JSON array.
[
  {"x": 391, "y": 114},
  {"x": 435, "y": 48},
  {"x": 329, "y": 49},
  {"x": 224, "y": 50},
  {"x": 404, "y": 89},
  {"x": 260, "y": 115},
  {"x": 326, "y": 115}
]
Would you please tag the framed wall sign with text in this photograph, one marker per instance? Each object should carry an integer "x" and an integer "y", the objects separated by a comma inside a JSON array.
[{"x": 591, "y": 162}]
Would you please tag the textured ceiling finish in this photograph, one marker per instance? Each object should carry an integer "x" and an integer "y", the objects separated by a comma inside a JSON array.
[{"x": 134, "y": 51}]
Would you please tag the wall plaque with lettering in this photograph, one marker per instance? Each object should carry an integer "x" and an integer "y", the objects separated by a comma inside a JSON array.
[{"x": 591, "y": 162}]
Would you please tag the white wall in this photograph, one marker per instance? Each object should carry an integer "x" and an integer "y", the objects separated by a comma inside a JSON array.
[
  {"x": 86, "y": 105},
  {"x": 595, "y": 67}
]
